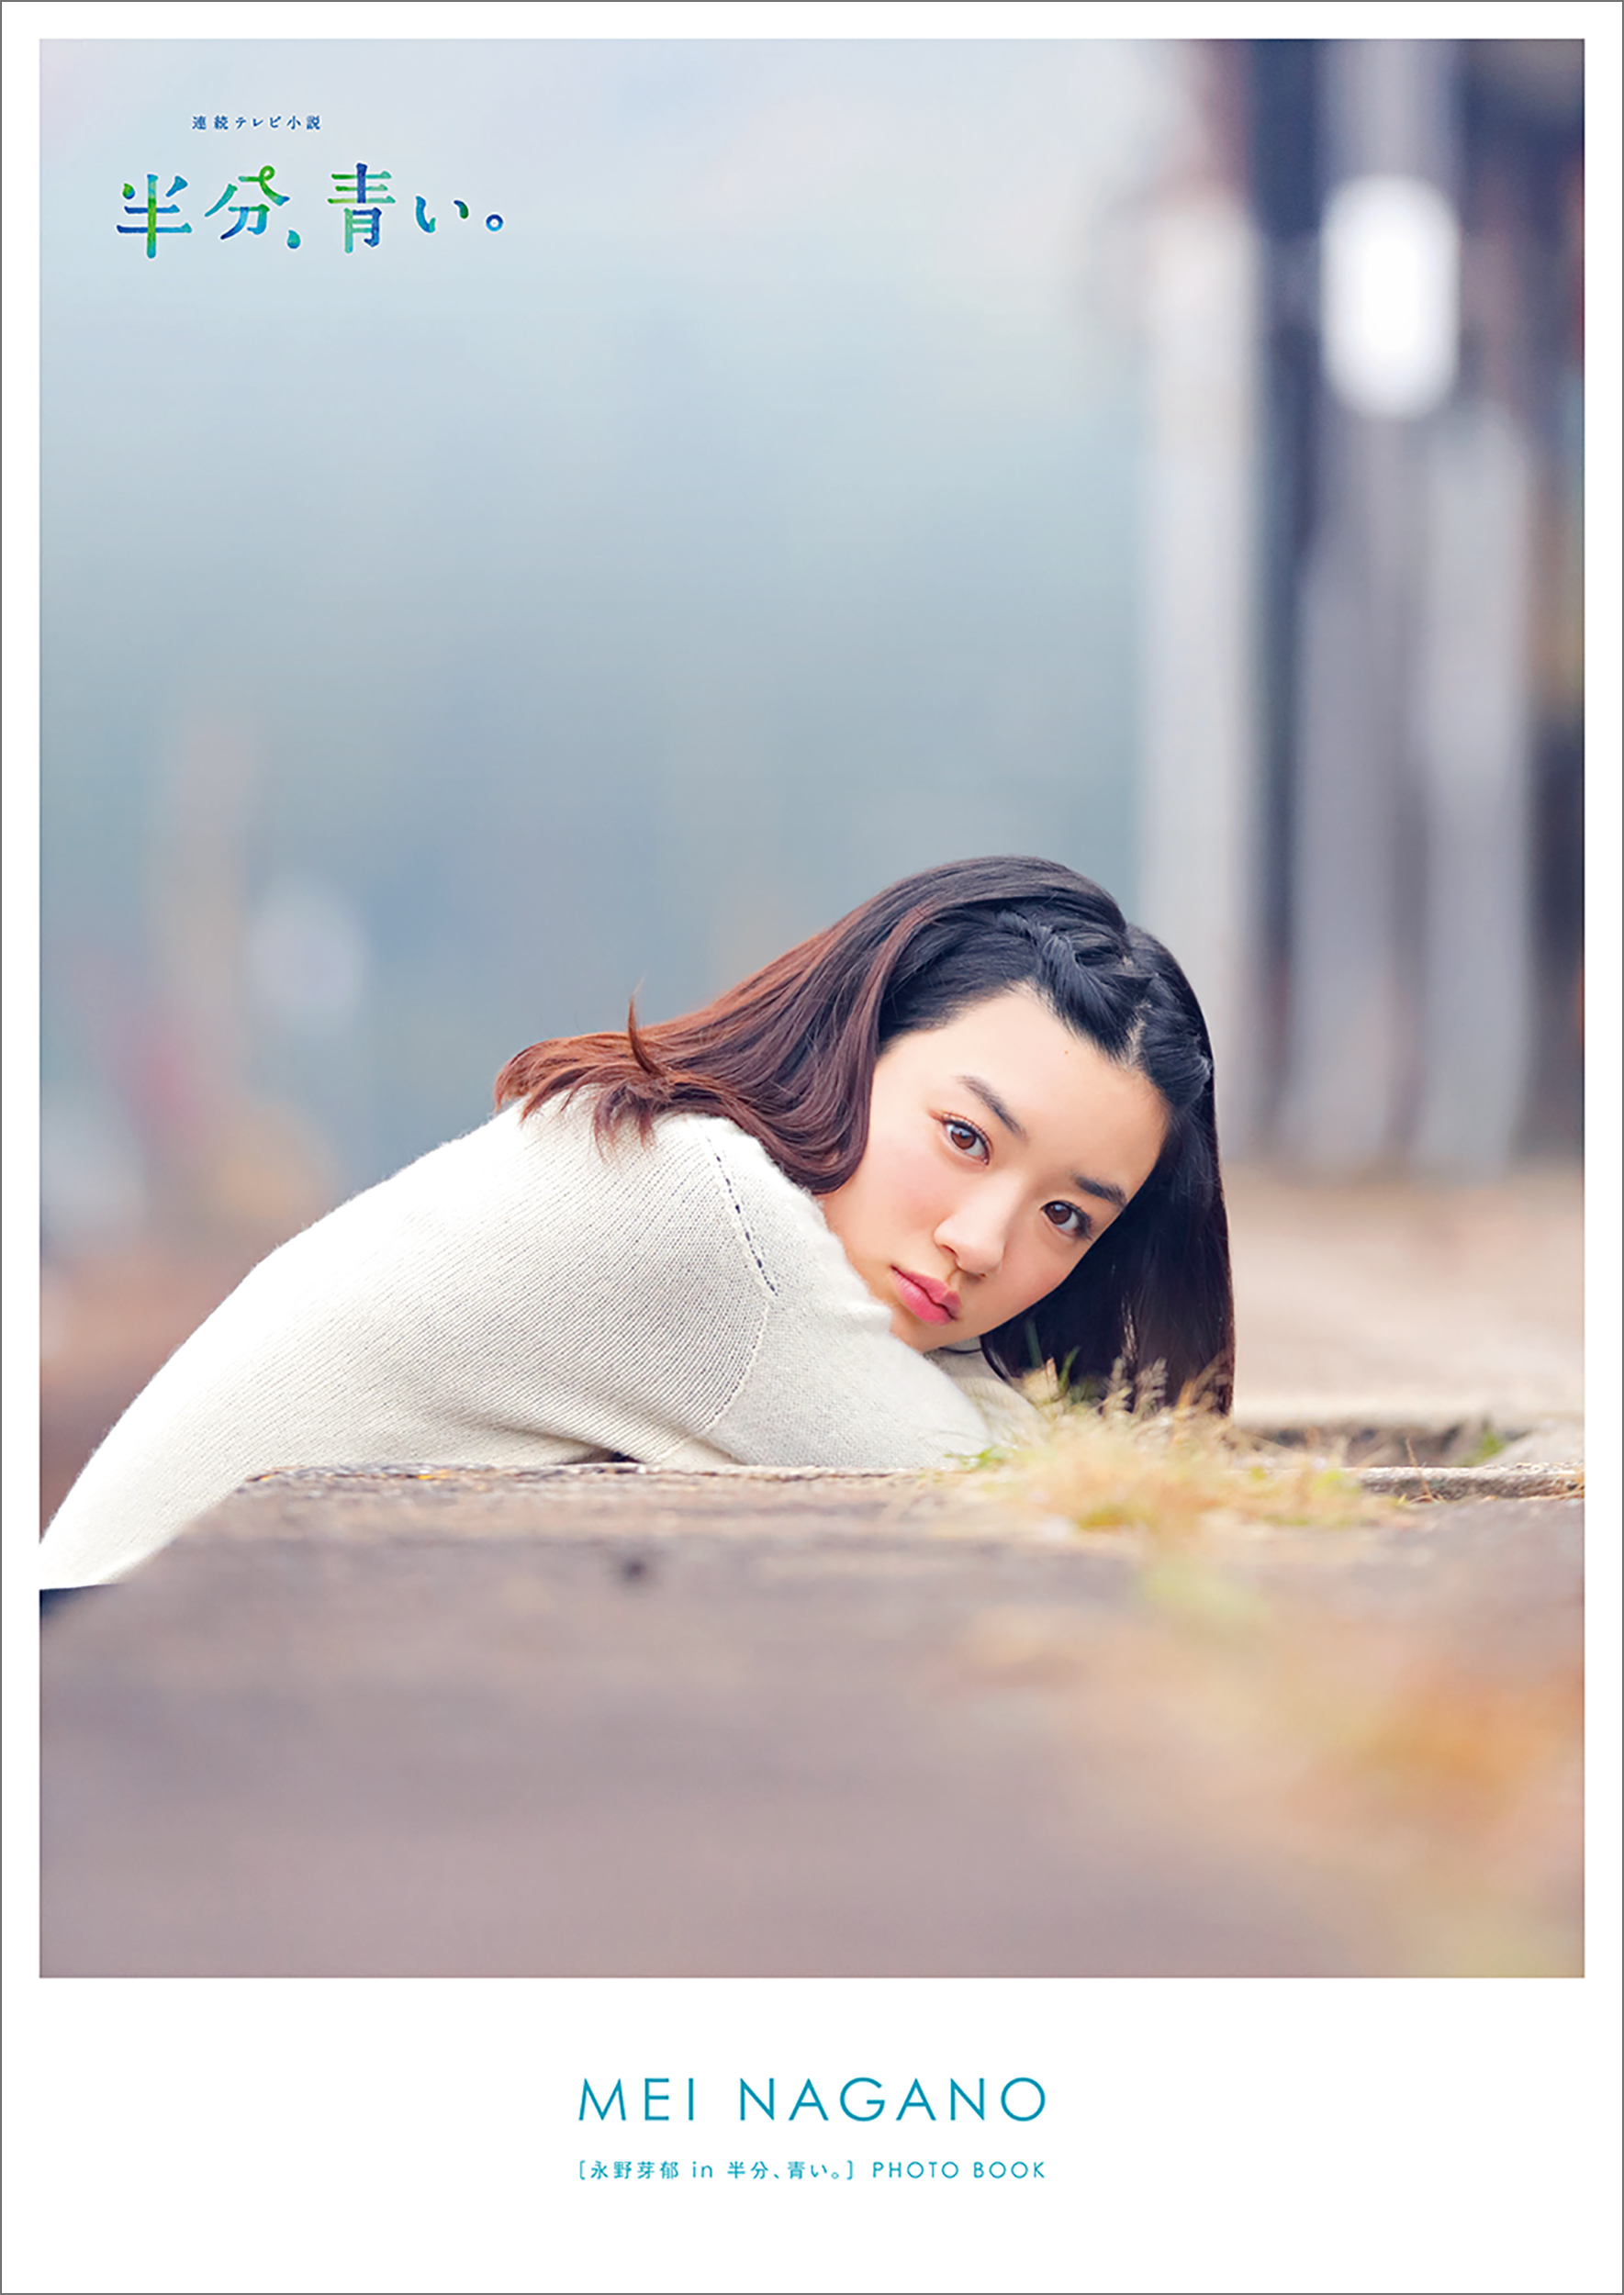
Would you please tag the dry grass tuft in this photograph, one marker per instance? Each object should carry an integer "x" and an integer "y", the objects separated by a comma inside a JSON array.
[{"x": 1134, "y": 1464}]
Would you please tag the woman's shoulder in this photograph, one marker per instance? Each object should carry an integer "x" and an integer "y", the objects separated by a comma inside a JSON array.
[
  {"x": 699, "y": 1194},
  {"x": 802, "y": 1263},
  {"x": 764, "y": 1192},
  {"x": 563, "y": 1133},
  {"x": 552, "y": 1174},
  {"x": 749, "y": 1168},
  {"x": 698, "y": 1185}
]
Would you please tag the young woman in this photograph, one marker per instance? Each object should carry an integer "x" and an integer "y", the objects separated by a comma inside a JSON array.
[{"x": 826, "y": 1220}]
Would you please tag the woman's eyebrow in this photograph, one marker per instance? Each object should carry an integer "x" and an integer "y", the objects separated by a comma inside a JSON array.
[
  {"x": 1102, "y": 1189},
  {"x": 990, "y": 1099}
]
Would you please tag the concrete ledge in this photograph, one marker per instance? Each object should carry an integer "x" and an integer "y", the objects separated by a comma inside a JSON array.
[
  {"x": 321, "y": 1500},
  {"x": 609, "y": 1721},
  {"x": 1472, "y": 1481}
]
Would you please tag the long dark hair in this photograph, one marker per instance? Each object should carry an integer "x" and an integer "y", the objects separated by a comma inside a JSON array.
[{"x": 788, "y": 1056}]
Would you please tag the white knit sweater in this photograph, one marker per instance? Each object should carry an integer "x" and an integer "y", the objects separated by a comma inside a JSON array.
[{"x": 521, "y": 1298}]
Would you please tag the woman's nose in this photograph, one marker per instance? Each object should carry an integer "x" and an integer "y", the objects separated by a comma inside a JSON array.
[{"x": 975, "y": 1234}]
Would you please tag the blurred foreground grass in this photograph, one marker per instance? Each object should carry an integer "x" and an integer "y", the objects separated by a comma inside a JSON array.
[{"x": 1422, "y": 1756}]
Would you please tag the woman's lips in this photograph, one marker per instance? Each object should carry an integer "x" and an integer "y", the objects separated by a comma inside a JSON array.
[{"x": 931, "y": 1302}]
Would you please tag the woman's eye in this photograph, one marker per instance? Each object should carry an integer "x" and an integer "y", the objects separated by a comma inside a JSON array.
[
  {"x": 1071, "y": 1223},
  {"x": 965, "y": 1137}
]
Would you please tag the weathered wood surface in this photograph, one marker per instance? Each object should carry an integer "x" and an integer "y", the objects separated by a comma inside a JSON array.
[
  {"x": 1472, "y": 1481},
  {"x": 623, "y": 1723}
]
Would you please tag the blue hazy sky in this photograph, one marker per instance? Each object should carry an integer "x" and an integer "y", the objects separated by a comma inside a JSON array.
[{"x": 615, "y": 597}]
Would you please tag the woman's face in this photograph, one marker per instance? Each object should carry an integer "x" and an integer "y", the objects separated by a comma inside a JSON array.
[{"x": 1000, "y": 1145}]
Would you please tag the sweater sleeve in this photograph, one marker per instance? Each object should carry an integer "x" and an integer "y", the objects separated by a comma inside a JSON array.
[
  {"x": 1010, "y": 1415},
  {"x": 520, "y": 1298},
  {"x": 681, "y": 1304},
  {"x": 828, "y": 1383}
]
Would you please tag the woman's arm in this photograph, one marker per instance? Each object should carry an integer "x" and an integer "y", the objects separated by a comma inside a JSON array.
[
  {"x": 828, "y": 1383},
  {"x": 518, "y": 1298}
]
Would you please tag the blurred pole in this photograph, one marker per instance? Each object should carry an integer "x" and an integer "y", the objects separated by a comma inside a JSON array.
[
  {"x": 1355, "y": 1052},
  {"x": 191, "y": 1080},
  {"x": 1473, "y": 741},
  {"x": 228, "y": 1162},
  {"x": 1283, "y": 106},
  {"x": 1199, "y": 876}
]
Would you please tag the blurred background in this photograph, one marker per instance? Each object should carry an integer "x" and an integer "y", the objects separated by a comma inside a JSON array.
[{"x": 804, "y": 462}]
